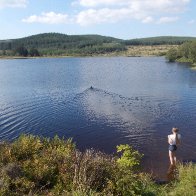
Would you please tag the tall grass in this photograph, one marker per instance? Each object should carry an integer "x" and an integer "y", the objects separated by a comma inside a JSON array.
[{"x": 185, "y": 184}]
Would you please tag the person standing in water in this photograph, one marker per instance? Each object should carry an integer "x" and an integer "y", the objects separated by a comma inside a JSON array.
[{"x": 174, "y": 140}]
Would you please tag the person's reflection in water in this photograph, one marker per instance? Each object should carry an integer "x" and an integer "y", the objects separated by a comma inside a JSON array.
[{"x": 171, "y": 173}]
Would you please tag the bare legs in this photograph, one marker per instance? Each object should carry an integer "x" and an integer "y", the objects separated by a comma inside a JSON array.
[
  {"x": 171, "y": 173},
  {"x": 172, "y": 157}
]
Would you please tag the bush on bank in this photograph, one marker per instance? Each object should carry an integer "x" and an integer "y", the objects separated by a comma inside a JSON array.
[
  {"x": 40, "y": 166},
  {"x": 185, "y": 53}
]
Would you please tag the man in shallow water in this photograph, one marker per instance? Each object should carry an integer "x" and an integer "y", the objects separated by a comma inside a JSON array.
[{"x": 174, "y": 140}]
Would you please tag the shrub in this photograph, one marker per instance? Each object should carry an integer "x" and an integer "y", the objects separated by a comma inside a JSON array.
[
  {"x": 172, "y": 54},
  {"x": 25, "y": 147},
  {"x": 184, "y": 53}
]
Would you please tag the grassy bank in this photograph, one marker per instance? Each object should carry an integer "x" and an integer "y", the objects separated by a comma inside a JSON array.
[
  {"x": 40, "y": 166},
  {"x": 154, "y": 50}
]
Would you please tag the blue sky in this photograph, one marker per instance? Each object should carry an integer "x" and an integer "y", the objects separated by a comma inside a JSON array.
[{"x": 118, "y": 18}]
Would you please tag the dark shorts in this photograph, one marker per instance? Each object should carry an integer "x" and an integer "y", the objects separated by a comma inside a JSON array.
[{"x": 172, "y": 148}]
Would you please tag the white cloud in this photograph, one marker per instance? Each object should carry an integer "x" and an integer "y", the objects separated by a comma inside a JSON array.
[
  {"x": 191, "y": 21},
  {"x": 13, "y": 3},
  {"x": 98, "y": 3},
  {"x": 93, "y": 16},
  {"x": 148, "y": 19},
  {"x": 48, "y": 18},
  {"x": 102, "y": 11},
  {"x": 167, "y": 20},
  {"x": 112, "y": 11},
  {"x": 139, "y": 5}
]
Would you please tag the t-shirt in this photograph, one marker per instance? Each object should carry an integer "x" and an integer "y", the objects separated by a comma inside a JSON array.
[{"x": 172, "y": 139}]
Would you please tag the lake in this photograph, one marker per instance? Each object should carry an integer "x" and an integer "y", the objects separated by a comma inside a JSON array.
[{"x": 134, "y": 100}]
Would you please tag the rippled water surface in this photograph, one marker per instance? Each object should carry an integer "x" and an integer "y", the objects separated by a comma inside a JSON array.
[{"x": 133, "y": 100}]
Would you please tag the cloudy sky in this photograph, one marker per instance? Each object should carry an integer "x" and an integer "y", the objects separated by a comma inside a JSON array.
[{"x": 119, "y": 18}]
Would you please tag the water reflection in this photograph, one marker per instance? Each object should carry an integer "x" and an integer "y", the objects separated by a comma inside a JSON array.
[
  {"x": 172, "y": 173},
  {"x": 192, "y": 79}
]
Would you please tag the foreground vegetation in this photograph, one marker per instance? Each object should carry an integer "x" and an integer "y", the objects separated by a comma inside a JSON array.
[
  {"x": 40, "y": 166},
  {"x": 185, "y": 53},
  {"x": 56, "y": 44}
]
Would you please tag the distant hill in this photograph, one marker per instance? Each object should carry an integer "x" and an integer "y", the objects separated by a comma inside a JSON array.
[
  {"x": 48, "y": 42},
  {"x": 162, "y": 40},
  {"x": 57, "y": 40},
  {"x": 62, "y": 44}
]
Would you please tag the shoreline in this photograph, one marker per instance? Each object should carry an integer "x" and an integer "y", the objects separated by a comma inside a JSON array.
[
  {"x": 40, "y": 57},
  {"x": 131, "y": 51}
]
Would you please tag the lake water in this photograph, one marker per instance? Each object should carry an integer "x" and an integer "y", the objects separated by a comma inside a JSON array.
[{"x": 133, "y": 100}]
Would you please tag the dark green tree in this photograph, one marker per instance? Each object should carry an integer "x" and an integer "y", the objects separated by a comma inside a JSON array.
[
  {"x": 22, "y": 51},
  {"x": 192, "y": 53},
  {"x": 4, "y": 52},
  {"x": 33, "y": 52},
  {"x": 184, "y": 50}
]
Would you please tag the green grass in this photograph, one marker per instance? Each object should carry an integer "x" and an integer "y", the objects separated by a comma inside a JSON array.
[{"x": 186, "y": 183}]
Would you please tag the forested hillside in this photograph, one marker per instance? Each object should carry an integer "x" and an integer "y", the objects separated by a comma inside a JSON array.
[
  {"x": 56, "y": 44},
  {"x": 61, "y": 44},
  {"x": 163, "y": 40}
]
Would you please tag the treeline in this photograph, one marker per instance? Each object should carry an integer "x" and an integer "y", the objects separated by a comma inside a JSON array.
[
  {"x": 40, "y": 166},
  {"x": 61, "y": 44},
  {"x": 21, "y": 51},
  {"x": 162, "y": 40},
  {"x": 183, "y": 53}
]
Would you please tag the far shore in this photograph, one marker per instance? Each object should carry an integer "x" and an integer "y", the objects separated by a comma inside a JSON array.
[
  {"x": 37, "y": 57},
  {"x": 40, "y": 57},
  {"x": 132, "y": 51}
]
